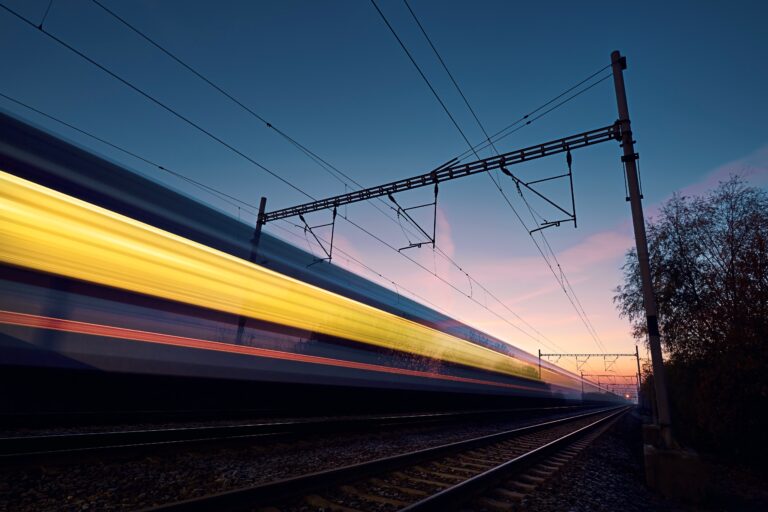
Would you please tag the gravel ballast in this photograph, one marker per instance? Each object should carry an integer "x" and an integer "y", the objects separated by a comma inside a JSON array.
[{"x": 129, "y": 483}]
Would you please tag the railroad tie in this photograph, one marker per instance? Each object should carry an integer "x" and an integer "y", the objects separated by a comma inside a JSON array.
[
  {"x": 439, "y": 474},
  {"x": 433, "y": 483},
  {"x": 399, "y": 487},
  {"x": 508, "y": 494},
  {"x": 473, "y": 465},
  {"x": 535, "y": 480},
  {"x": 483, "y": 459},
  {"x": 523, "y": 486},
  {"x": 539, "y": 471},
  {"x": 495, "y": 505},
  {"x": 317, "y": 501},
  {"x": 354, "y": 491},
  {"x": 444, "y": 467}
]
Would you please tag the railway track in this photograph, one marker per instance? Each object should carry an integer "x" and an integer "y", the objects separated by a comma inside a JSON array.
[
  {"x": 491, "y": 472},
  {"x": 68, "y": 445}
]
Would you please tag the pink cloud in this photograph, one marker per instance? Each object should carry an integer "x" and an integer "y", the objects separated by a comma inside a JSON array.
[
  {"x": 597, "y": 248},
  {"x": 753, "y": 168}
]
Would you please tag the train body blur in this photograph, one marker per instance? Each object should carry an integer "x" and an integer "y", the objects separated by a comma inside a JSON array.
[{"x": 72, "y": 342}]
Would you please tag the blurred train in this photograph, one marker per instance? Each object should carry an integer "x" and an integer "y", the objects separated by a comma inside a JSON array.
[{"x": 117, "y": 292}]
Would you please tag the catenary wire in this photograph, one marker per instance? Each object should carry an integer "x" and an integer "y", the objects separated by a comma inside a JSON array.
[
  {"x": 450, "y": 75},
  {"x": 215, "y": 86},
  {"x": 45, "y": 14},
  {"x": 445, "y": 108},
  {"x": 561, "y": 279},
  {"x": 421, "y": 73},
  {"x": 317, "y": 159},
  {"x": 156, "y": 101},
  {"x": 324, "y": 164},
  {"x": 527, "y": 120},
  {"x": 231, "y": 200},
  {"x": 488, "y": 141},
  {"x": 551, "y": 109},
  {"x": 167, "y": 108},
  {"x": 327, "y": 167},
  {"x": 250, "y": 208},
  {"x": 348, "y": 256}
]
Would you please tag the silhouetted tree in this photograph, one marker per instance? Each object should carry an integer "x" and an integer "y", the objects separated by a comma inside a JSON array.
[{"x": 709, "y": 266}]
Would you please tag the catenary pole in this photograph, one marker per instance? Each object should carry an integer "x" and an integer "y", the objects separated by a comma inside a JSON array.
[
  {"x": 252, "y": 257},
  {"x": 637, "y": 358},
  {"x": 539, "y": 363},
  {"x": 629, "y": 158}
]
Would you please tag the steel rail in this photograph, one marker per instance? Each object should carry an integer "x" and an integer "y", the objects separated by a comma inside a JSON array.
[
  {"x": 70, "y": 444},
  {"x": 291, "y": 487},
  {"x": 453, "y": 497}
]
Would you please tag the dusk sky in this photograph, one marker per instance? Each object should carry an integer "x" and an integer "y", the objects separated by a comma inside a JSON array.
[{"x": 333, "y": 77}]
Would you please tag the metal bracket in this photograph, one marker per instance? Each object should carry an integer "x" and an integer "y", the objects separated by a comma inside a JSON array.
[
  {"x": 624, "y": 160},
  {"x": 311, "y": 230},
  {"x": 571, "y": 216},
  {"x": 430, "y": 239},
  {"x": 581, "y": 362},
  {"x": 609, "y": 361},
  {"x": 628, "y": 158}
]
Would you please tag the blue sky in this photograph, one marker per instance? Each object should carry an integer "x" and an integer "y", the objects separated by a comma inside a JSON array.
[{"x": 332, "y": 76}]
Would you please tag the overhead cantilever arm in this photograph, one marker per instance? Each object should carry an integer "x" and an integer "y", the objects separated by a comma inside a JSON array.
[{"x": 451, "y": 171}]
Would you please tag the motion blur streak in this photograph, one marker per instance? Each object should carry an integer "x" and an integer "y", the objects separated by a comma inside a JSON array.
[
  {"x": 45, "y": 230},
  {"x": 58, "y": 324}
]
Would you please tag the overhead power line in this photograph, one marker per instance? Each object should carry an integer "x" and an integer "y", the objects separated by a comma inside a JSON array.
[
  {"x": 531, "y": 117},
  {"x": 331, "y": 169},
  {"x": 217, "y": 139},
  {"x": 229, "y": 199},
  {"x": 488, "y": 141},
  {"x": 221, "y": 90},
  {"x": 233, "y": 201},
  {"x": 445, "y": 108},
  {"x": 421, "y": 73},
  {"x": 250, "y": 208},
  {"x": 45, "y": 14},
  {"x": 561, "y": 278},
  {"x": 155, "y": 101},
  {"x": 450, "y": 75},
  {"x": 324, "y": 164}
]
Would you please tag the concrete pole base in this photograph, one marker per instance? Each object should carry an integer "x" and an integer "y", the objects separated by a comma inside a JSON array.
[{"x": 673, "y": 472}]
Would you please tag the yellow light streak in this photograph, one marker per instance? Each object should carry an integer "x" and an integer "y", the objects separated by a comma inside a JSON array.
[{"x": 45, "y": 230}]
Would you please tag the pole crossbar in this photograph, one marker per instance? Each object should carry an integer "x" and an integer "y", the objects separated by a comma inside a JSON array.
[
  {"x": 453, "y": 171},
  {"x": 588, "y": 355},
  {"x": 633, "y": 378}
]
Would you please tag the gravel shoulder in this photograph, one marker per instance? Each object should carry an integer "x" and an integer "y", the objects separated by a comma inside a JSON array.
[{"x": 609, "y": 476}]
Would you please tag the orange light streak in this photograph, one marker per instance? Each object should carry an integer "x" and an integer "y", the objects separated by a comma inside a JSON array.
[{"x": 122, "y": 333}]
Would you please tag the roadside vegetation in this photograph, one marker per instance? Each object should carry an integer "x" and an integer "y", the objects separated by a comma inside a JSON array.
[{"x": 709, "y": 264}]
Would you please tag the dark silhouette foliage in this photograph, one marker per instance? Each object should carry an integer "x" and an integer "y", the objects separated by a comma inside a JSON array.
[{"x": 709, "y": 266}]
